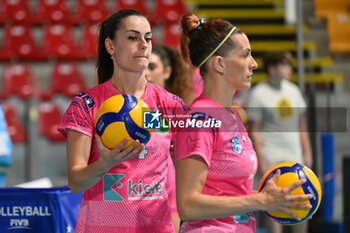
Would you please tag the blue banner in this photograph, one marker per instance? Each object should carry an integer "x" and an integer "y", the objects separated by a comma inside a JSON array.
[
  {"x": 53, "y": 210},
  {"x": 329, "y": 191}
]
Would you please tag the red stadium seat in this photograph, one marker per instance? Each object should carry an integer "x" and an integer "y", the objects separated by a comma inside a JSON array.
[
  {"x": 19, "y": 43},
  {"x": 18, "y": 80},
  {"x": 132, "y": 4},
  {"x": 171, "y": 36},
  {"x": 55, "y": 11},
  {"x": 49, "y": 118},
  {"x": 67, "y": 80},
  {"x": 17, "y": 11},
  {"x": 169, "y": 11},
  {"x": 59, "y": 42},
  {"x": 92, "y": 10},
  {"x": 5, "y": 55},
  {"x": 15, "y": 127},
  {"x": 90, "y": 40}
]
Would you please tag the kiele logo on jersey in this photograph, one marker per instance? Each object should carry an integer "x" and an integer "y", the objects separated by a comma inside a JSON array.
[{"x": 135, "y": 190}]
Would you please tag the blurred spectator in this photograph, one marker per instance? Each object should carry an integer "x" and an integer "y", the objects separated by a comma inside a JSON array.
[{"x": 278, "y": 126}]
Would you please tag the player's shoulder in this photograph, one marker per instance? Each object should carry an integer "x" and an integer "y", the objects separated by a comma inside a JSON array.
[
  {"x": 200, "y": 102},
  {"x": 102, "y": 91},
  {"x": 155, "y": 89},
  {"x": 164, "y": 96},
  {"x": 98, "y": 89},
  {"x": 203, "y": 107},
  {"x": 92, "y": 97}
]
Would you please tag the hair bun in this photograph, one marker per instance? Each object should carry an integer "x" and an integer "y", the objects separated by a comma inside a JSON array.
[{"x": 201, "y": 21}]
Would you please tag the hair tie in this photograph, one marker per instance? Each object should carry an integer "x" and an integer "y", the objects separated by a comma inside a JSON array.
[{"x": 201, "y": 21}]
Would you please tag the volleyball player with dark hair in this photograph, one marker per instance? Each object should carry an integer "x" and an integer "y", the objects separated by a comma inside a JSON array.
[{"x": 123, "y": 189}]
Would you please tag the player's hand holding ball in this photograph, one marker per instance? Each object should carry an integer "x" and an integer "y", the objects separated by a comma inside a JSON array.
[
  {"x": 110, "y": 158},
  {"x": 119, "y": 126},
  {"x": 292, "y": 193}
]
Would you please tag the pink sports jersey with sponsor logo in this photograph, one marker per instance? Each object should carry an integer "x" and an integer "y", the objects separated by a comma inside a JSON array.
[
  {"x": 231, "y": 160},
  {"x": 131, "y": 197},
  {"x": 171, "y": 187}
]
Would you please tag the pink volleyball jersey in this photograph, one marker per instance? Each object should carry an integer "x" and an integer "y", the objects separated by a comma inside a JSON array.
[
  {"x": 231, "y": 161},
  {"x": 131, "y": 197},
  {"x": 171, "y": 187}
]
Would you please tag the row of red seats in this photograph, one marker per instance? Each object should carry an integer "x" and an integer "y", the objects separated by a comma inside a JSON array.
[
  {"x": 59, "y": 11},
  {"x": 18, "y": 80},
  {"x": 59, "y": 42},
  {"x": 49, "y": 117}
]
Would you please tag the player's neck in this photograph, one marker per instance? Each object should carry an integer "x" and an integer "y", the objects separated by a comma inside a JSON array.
[
  {"x": 130, "y": 84},
  {"x": 220, "y": 94}
]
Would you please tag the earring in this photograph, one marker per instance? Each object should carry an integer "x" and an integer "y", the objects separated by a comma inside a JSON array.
[
  {"x": 112, "y": 57},
  {"x": 223, "y": 72}
]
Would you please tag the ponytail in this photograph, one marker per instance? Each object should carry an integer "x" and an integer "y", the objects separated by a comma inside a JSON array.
[{"x": 202, "y": 39}]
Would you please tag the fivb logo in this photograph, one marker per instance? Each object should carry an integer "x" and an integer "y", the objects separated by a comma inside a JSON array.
[
  {"x": 19, "y": 224},
  {"x": 151, "y": 120}
]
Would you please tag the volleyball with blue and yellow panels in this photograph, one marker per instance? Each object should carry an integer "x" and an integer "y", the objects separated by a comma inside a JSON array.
[
  {"x": 121, "y": 116},
  {"x": 290, "y": 173}
]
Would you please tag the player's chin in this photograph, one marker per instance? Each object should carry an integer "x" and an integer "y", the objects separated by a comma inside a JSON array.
[
  {"x": 245, "y": 85},
  {"x": 138, "y": 64},
  {"x": 138, "y": 68}
]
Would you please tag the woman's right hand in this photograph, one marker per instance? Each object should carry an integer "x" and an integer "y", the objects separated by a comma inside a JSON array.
[
  {"x": 277, "y": 199},
  {"x": 110, "y": 158}
]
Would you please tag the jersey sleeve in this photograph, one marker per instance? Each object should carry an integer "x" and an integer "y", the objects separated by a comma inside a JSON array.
[
  {"x": 195, "y": 141},
  {"x": 78, "y": 116},
  {"x": 171, "y": 186}
]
